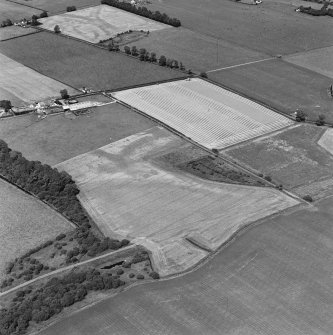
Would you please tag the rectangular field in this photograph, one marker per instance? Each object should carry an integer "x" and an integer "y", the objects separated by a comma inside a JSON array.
[
  {"x": 196, "y": 51},
  {"x": 25, "y": 223},
  {"x": 58, "y": 138},
  {"x": 15, "y": 11},
  {"x": 79, "y": 64},
  {"x": 206, "y": 113},
  {"x": 130, "y": 196},
  {"x": 281, "y": 85},
  {"x": 99, "y": 23},
  {"x": 20, "y": 84},
  {"x": 15, "y": 31},
  {"x": 265, "y": 28},
  {"x": 292, "y": 158}
]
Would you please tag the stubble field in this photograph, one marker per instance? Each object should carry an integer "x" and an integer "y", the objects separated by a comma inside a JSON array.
[
  {"x": 25, "y": 223},
  {"x": 20, "y": 84},
  {"x": 129, "y": 196},
  {"x": 274, "y": 279},
  {"x": 292, "y": 158},
  {"x": 99, "y": 23},
  {"x": 58, "y": 138},
  {"x": 78, "y": 64}
]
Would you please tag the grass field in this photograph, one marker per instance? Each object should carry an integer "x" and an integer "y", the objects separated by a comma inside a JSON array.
[
  {"x": 129, "y": 196},
  {"x": 326, "y": 141},
  {"x": 57, "y": 138},
  {"x": 99, "y": 23},
  {"x": 15, "y": 12},
  {"x": 280, "y": 85},
  {"x": 273, "y": 279},
  {"x": 25, "y": 223},
  {"x": 206, "y": 113},
  {"x": 292, "y": 157},
  {"x": 265, "y": 28},
  {"x": 20, "y": 84},
  {"x": 196, "y": 51},
  {"x": 319, "y": 60},
  {"x": 79, "y": 64},
  {"x": 15, "y": 31}
]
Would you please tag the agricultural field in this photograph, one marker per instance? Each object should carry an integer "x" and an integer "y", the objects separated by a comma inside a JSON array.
[
  {"x": 281, "y": 85},
  {"x": 21, "y": 84},
  {"x": 131, "y": 197},
  {"x": 15, "y": 31},
  {"x": 99, "y": 23},
  {"x": 319, "y": 60},
  {"x": 59, "y": 6},
  {"x": 206, "y": 113},
  {"x": 265, "y": 28},
  {"x": 61, "y": 137},
  {"x": 14, "y": 11},
  {"x": 292, "y": 158},
  {"x": 273, "y": 279},
  {"x": 21, "y": 216},
  {"x": 326, "y": 141},
  {"x": 78, "y": 64},
  {"x": 196, "y": 51}
]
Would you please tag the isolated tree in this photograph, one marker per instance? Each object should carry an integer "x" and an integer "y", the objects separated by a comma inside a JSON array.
[
  {"x": 64, "y": 94},
  {"x": 127, "y": 49},
  {"x": 43, "y": 14},
  {"x": 34, "y": 20},
  {"x": 321, "y": 120},
  {"x": 56, "y": 29},
  {"x": 6, "y": 104},
  {"x": 300, "y": 116}
]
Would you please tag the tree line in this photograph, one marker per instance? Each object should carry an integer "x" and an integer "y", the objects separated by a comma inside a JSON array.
[
  {"x": 143, "y": 11},
  {"x": 47, "y": 183},
  {"x": 317, "y": 12}
]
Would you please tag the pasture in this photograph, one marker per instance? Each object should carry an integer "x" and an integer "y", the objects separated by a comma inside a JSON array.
[
  {"x": 281, "y": 85},
  {"x": 196, "y": 51},
  {"x": 58, "y": 138},
  {"x": 273, "y": 279},
  {"x": 25, "y": 223},
  {"x": 19, "y": 84},
  {"x": 319, "y": 60},
  {"x": 79, "y": 64},
  {"x": 15, "y": 11},
  {"x": 15, "y": 31},
  {"x": 99, "y": 23},
  {"x": 292, "y": 158},
  {"x": 265, "y": 28},
  {"x": 129, "y": 196},
  {"x": 206, "y": 113}
]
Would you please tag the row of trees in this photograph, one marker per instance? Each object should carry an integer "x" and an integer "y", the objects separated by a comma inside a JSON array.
[
  {"x": 145, "y": 56},
  {"x": 143, "y": 11},
  {"x": 50, "y": 185},
  {"x": 317, "y": 12},
  {"x": 52, "y": 298}
]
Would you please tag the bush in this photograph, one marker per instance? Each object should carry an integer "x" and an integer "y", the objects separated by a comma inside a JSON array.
[
  {"x": 127, "y": 50},
  {"x": 203, "y": 75},
  {"x": 154, "y": 275},
  {"x": 43, "y": 14},
  {"x": 321, "y": 120},
  {"x": 268, "y": 178},
  {"x": 71, "y": 8},
  {"x": 57, "y": 29},
  {"x": 64, "y": 94},
  {"x": 131, "y": 275},
  {"x": 308, "y": 198},
  {"x": 60, "y": 236},
  {"x": 140, "y": 276},
  {"x": 120, "y": 272}
]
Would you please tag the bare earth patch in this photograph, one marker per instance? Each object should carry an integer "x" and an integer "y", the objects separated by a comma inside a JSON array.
[
  {"x": 99, "y": 23},
  {"x": 25, "y": 223},
  {"x": 129, "y": 196}
]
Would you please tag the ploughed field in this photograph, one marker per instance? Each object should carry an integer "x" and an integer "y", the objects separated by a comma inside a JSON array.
[
  {"x": 20, "y": 84},
  {"x": 130, "y": 196},
  {"x": 61, "y": 137},
  {"x": 25, "y": 223},
  {"x": 274, "y": 279},
  {"x": 99, "y": 23},
  {"x": 206, "y": 113},
  {"x": 78, "y": 64}
]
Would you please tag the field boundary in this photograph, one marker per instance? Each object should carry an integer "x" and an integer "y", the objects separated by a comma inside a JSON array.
[{"x": 12, "y": 38}]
